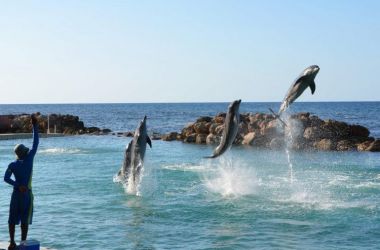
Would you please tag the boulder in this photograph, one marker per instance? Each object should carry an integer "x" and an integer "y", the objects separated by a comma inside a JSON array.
[
  {"x": 191, "y": 138},
  {"x": 277, "y": 143},
  {"x": 315, "y": 121},
  {"x": 312, "y": 133},
  {"x": 335, "y": 129},
  {"x": 243, "y": 128},
  {"x": 188, "y": 130},
  {"x": 219, "y": 130},
  {"x": 200, "y": 139},
  {"x": 345, "y": 145},
  {"x": 212, "y": 139},
  {"x": 204, "y": 119},
  {"x": 325, "y": 145},
  {"x": 170, "y": 137},
  {"x": 219, "y": 119},
  {"x": 374, "y": 146},
  {"x": 364, "y": 145},
  {"x": 301, "y": 144},
  {"x": 358, "y": 131},
  {"x": 213, "y": 127},
  {"x": 260, "y": 141},
  {"x": 248, "y": 138},
  {"x": 201, "y": 127}
]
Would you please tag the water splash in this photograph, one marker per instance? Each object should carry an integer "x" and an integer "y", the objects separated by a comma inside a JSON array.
[
  {"x": 231, "y": 178},
  {"x": 61, "y": 151},
  {"x": 288, "y": 142}
]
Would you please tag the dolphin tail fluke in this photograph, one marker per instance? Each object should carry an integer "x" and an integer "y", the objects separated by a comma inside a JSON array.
[
  {"x": 312, "y": 87},
  {"x": 278, "y": 117},
  {"x": 210, "y": 157},
  {"x": 149, "y": 141}
]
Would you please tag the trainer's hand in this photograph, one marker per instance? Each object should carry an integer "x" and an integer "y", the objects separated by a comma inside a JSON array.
[
  {"x": 22, "y": 189},
  {"x": 33, "y": 119}
]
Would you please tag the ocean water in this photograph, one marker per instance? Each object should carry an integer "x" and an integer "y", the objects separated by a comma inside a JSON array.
[{"x": 247, "y": 199}]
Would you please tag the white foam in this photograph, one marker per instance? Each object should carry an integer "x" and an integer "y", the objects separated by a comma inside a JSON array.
[
  {"x": 232, "y": 179},
  {"x": 60, "y": 151},
  {"x": 186, "y": 168}
]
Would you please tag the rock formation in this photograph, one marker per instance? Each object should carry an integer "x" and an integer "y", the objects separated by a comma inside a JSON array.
[
  {"x": 66, "y": 124},
  {"x": 304, "y": 132}
]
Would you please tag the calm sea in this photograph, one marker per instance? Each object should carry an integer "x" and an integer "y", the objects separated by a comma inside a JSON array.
[{"x": 247, "y": 199}]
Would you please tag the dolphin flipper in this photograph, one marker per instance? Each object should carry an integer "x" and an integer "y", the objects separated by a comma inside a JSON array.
[
  {"x": 149, "y": 141},
  {"x": 312, "y": 87}
]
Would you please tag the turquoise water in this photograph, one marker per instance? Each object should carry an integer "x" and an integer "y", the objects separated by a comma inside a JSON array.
[{"x": 243, "y": 200}]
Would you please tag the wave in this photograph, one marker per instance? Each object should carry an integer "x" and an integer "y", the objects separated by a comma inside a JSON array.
[
  {"x": 186, "y": 167},
  {"x": 61, "y": 151}
]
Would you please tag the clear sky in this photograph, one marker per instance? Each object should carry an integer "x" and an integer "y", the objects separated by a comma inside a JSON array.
[{"x": 187, "y": 51}]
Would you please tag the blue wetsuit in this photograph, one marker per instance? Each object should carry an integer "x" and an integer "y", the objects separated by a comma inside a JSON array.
[{"x": 21, "y": 206}]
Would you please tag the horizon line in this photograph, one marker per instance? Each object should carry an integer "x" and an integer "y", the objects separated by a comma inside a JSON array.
[{"x": 196, "y": 102}]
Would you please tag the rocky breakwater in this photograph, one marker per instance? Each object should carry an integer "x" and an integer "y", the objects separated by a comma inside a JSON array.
[
  {"x": 303, "y": 132},
  {"x": 65, "y": 124}
]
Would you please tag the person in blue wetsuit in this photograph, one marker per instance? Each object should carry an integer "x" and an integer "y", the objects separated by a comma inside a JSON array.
[{"x": 21, "y": 205}]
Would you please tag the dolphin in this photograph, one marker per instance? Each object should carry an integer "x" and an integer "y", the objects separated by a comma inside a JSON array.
[
  {"x": 231, "y": 126},
  {"x": 134, "y": 154},
  {"x": 304, "y": 80}
]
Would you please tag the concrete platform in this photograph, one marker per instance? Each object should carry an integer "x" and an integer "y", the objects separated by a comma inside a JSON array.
[
  {"x": 4, "y": 246},
  {"x": 27, "y": 136}
]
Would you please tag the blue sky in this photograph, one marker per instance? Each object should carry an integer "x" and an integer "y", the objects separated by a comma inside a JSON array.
[{"x": 186, "y": 51}]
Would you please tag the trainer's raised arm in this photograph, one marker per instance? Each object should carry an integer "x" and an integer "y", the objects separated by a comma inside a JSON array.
[{"x": 34, "y": 122}]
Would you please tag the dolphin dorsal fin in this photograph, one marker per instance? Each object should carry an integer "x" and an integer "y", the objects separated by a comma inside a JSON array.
[
  {"x": 312, "y": 87},
  {"x": 148, "y": 140}
]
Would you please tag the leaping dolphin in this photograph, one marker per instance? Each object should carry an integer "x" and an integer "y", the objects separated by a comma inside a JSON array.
[
  {"x": 231, "y": 126},
  {"x": 134, "y": 154},
  {"x": 306, "y": 79}
]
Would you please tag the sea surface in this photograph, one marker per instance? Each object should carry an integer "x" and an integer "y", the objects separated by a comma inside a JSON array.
[{"x": 248, "y": 198}]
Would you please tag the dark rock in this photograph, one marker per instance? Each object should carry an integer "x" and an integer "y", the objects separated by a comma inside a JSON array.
[
  {"x": 91, "y": 130},
  {"x": 277, "y": 143},
  {"x": 213, "y": 127},
  {"x": 219, "y": 130},
  {"x": 301, "y": 144},
  {"x": 204, "y": 119},
  {"x": 325, "y": 145},
  {"x": 212, "y": 139},
  {"x": 358, "y": 131},
  {"x": 261, "y": 141},
  {"x": 201, "y": 127},
  {"x": 170, "y": 137},
  {"x": 299, "y": 116},
  {"x": 156, "y": 136},
  {"x": 345, "y": 145},
  {"x": 374, "y": 146},
  {"x": 312, "y": 133},
  {"x": 188, "y": 130},
  {"x": 219, "y": 119},
  {"x": 200, "y": 139},
  {"x": 243, "y": 128},
  {"x": 222, "y": 114},
  {"x": 129, "y": 134},
  {"x": 191, "y": 138},
  {"x": 304, "y": 132},
  {"x": 364, "y": 145}
]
